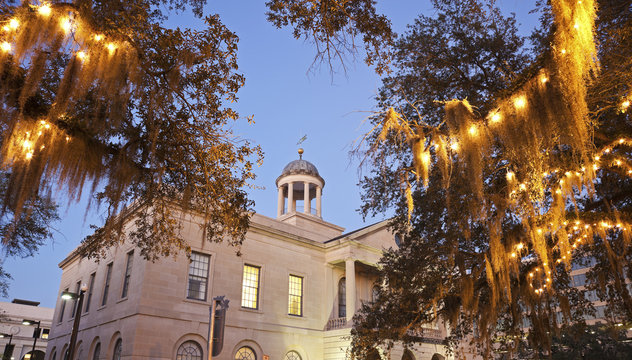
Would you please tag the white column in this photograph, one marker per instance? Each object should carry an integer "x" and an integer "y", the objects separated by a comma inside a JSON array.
[
  {"x": 290, "y": 197},
  {"x": 318, "y": 203},
  {"x": 281, "y": 202},
  {"x": 306, "y": 205},
  {"x": 350, "y": 287}
]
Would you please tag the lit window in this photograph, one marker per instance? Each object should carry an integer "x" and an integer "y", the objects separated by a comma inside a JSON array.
[
  {"x": 128, "y": 273},
  {"x": 245, "y": 353},
  {"x": 198, "y": 276},
  {"x": 189, "y": 350},
  {"x": 45, "y": 333},
  {"x": 292, "y": 355},
  {"x": 90, "y": 290},
  {"x": 342, "y": 298},
  {"x": 106, "y": 287},
  {"x": 295, "y": 302},
  {"x": 250, "y": 287}
]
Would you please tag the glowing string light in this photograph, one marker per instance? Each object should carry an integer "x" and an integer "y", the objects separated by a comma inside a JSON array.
[
  {"x": 6, "y": 47},
  {"x": 496, "y": 118},
  {"x": 66, "y": 25},
  {"x": 14, "y": 23},
  {"x": 44, "y": 10},
  {"x": 473, "y": 130},
  {"x": 111, "y": 48},
  {"x": 520, "y": 102}
]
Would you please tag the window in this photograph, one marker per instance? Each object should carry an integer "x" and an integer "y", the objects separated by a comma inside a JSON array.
[
  {"x": 579, "y": 280},
  {"x": 90, "y": 290},
  {"x": 292, "y": 355},
  {"x": 198, "y": 276},
  {"x": 54, "y": 357},
  {"x": 128, "y": 273},
  {"x": 245, "y": 353},
  {"x": 118, "y": 349},
  {"x": 375, "y": 292},
  {"x": 189, "y": 350},
  {"x": 74, "y": 301},
  {"x": 45, "y": 333},
  {"x": 106, "y": 287},
  {"x": 63, "y": 307},
  {"x": 295, "y": 301},
  {"x": 250, "y": 287},
  {"x": 342, "y": 298},
  {"x": 97, "y": 352}
]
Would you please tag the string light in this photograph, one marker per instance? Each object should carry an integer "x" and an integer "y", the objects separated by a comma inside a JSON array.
[
  {"x": 98, "y": 37},
  {"x": 544, "y": 79},
  {"x": 6, "y": 47},
  {"x": 44, "y": 10},
  {"x": 111, "y": 48},
  {"x": 520, "y": 102},
  {"x": 454, "y": 146},
  {"x": 496, "y": 118},
  {"x": 66, "y": 25},
  {"x": 14, "y": 23},
  {"x": 510, "y": 175},
  {"x": 625, "y": 104},
  {"x": 82, "y": 56},
  {"x": 473, "y": 130}
]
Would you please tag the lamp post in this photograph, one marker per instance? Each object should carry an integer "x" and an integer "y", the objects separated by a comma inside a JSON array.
[
  {"x": 36, "y": 333},
  {"x": 8, "y": 351},
  {"x": 75, "y": 326}
]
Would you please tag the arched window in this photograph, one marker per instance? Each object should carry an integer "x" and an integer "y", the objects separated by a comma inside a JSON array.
[
  {"x": 54, "y": 357},
  {"x": 292, "y": 355},
  {"x": 245, "y": 353},
  {"x": 189, "y": 350},
  {"x": 342, "y": 298},
  {"x": 408, "y": 355},
  {"x": 97, "y": 351},
  {"x": 118, "y": 349}
]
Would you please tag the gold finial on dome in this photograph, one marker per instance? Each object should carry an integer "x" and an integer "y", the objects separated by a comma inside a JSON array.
[{"x": 300, "y": 153}]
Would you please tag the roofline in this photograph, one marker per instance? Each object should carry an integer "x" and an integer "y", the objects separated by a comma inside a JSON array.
[{"x": 361, "y": 230}]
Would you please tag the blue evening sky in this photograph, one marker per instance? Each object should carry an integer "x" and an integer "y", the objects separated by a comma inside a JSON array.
[{"x": 287, "y": 102}]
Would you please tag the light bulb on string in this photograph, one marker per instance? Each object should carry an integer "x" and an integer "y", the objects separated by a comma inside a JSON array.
[
  {"x": 520, "y": 102},
  {"x": 44, "y": 10},
  {"x": 6, "y": 47},
  {"x": 14, "y": 23}
]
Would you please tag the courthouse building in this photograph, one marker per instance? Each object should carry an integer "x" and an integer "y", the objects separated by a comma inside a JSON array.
[{"x": 292, "y": 293}]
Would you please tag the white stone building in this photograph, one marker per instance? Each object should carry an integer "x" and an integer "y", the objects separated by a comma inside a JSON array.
[
  {"x": 21, "y": 336},
  {"x": 292, "y": 293}
]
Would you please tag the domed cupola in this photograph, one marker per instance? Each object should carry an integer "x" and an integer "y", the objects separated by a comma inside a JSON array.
[{"x": 299, "y": 181}]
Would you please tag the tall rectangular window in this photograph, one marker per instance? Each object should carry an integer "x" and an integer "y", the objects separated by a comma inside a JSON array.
[
  {"x": 90, "y": 290},
  {"x": 74, "y": 301},
  {"x": 128, "y": 273},
  {"x": 106, "y": 287},
  {"x": 198, "y": 276},
  {"x": 63, "y": 307},
  {"x": 295, "y": 301},
  {"x": 250, "y": 287}
]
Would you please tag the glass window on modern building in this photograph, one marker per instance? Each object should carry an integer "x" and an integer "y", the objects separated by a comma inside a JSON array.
[
  {"x": 106, "y": 286},
  {"x": 295, "y": 301},
  {"x": 250, "y": 287},
  {"x": 198, "y": 276},
  {"x": 128, "y": 274}
]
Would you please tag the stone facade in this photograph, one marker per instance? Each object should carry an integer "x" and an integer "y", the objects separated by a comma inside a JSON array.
[
  {"x": 21, "y": 336},
  {"x": 164, "y": 311}
]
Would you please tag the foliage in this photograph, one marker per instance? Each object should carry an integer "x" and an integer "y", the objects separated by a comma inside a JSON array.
[
  {"x": 591, "y": 342},
  {"x": 333, "y": 25},
  {"x": 100, "y": 93},
  {"x": 496, "y": 201}
]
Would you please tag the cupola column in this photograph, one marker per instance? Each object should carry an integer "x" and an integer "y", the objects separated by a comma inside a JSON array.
[
  {"x": 318, "y": 203},
  {"x": 281, "y": 202},
  {"x": 307, "y": 208},
  {"x": 290, "y": 197}
]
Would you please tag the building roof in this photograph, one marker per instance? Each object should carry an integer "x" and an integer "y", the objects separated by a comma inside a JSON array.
[{"x": 300, "y": 167}]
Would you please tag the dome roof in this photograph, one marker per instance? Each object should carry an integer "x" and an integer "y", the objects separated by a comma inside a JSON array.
[{"x": 300, "y": 167}]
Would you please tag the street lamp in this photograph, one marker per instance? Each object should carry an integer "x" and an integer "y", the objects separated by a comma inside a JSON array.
[
  {"x": 75, "y": 326},
  {"x": 36, "y": 333},
  {"x": 8, "y": 350}
]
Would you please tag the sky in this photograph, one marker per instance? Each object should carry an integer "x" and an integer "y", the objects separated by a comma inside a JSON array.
[{"x": 288, "y": 101}]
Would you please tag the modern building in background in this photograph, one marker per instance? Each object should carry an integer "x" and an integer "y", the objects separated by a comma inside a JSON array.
[
  {"x": 292, "y": 292},
  {"x": 24, "y": 327}
]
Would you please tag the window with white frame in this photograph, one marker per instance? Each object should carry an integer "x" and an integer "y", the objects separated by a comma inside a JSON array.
[
  {"x": 250, "y": 287},
  {"x": 198, "y": 276}
]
